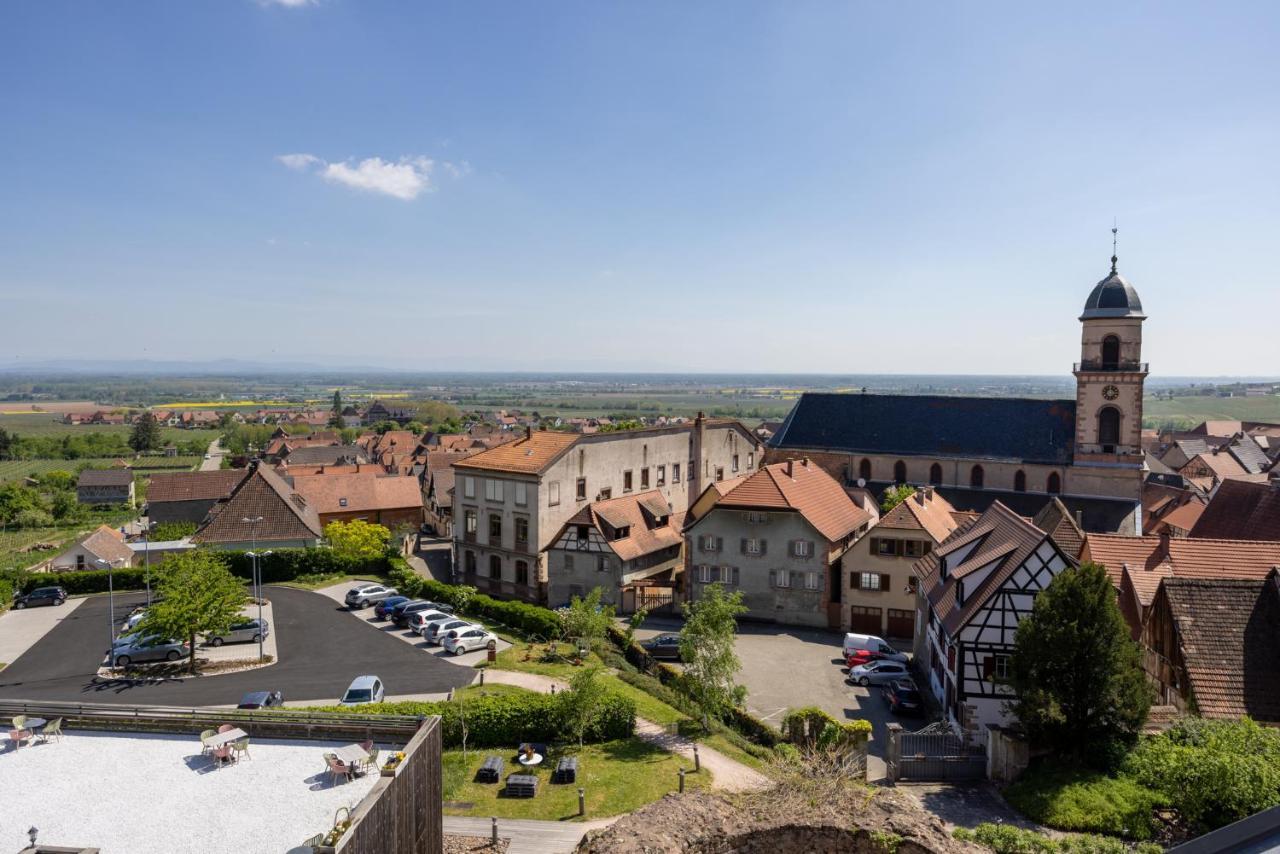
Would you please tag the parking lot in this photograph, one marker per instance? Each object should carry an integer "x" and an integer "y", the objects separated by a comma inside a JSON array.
[{"x": 785, "y": 667}]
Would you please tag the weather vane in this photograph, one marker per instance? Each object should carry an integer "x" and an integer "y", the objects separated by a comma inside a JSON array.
[{"x": 1115, "y": 231}]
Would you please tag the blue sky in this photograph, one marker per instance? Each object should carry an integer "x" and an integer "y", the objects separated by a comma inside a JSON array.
[{"x": 736, "y": 186}]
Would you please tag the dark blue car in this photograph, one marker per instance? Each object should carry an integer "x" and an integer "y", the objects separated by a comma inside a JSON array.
[{"x": 383, "y": 609}]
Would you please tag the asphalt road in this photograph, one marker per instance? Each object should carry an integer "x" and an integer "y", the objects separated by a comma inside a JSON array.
[{"x": 321, "y": 650}]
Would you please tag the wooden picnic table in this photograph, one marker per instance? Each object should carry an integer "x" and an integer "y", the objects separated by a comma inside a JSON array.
[{"x": 221, "y": 738}]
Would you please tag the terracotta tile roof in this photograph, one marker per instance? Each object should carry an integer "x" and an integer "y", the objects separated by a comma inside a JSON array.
[
  {"x": 805, "y": 488},
  {"x": 1241, "y": 511},
  {"x": 366, "y": 491},
  {"x": 627, "y": 512},
  {"x": 1056, "y": 520},
  {"x": 193, "y": 485},
  {"x": 1003, "y": 538},
  {"x": 1222, "y": 465},
  {"x": 1189, "y": 558},
  {"x": 106, "y": 477},
  {"x": 1184, "y": 517},
  {"x": 1113, "y": 551},
  {"x": 326, "y": 455},
  {"x": 528, "y": 455},
  {"x": 285, "y": 514},
  {"x": 1229, "y": 632},
  {"x": 925, "y": 511},
  {"x": 1146, "y": 581},
  {"x": 107, "y": 543},
  {"x": 1217, "y": 428}
]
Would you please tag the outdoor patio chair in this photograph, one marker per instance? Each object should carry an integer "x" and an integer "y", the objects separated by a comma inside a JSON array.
[
  {"x": 337, "y": 766},
  {"x": 221, "y": 754},
  {"x": 17, "y": 736},
  {"x": 53, "y": 729},
  {"x": 367, "y": 746},
  {"x": 204, "y": 740},
  {"x": 241, "y": 748},
  {"x": 372, "y": 761},
  {"x": 20, "y": 722},
  {"x": 225, "y": 728}
]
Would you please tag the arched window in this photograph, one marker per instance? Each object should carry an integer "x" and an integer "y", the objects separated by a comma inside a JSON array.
[
  {"x": 975, "y": 477},
  {"x": 495, "y": 566},
  {"x": 1110, "y": 353},
  {"x": 935, "y": 474},
  {"x": 864, "y": 469},
  {"x": 1020, "y": 481},
  {"x": 899, "y": 472},
  {"x": 1054, "y": 486},
  {"x": 1109, "y": 426}
]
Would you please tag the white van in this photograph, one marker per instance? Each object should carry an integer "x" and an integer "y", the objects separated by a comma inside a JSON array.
[{"x": 854, "y": 641}]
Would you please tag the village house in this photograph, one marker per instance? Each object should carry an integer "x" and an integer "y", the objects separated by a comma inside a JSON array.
[
  {"x": 379, "y": 411},
  {"x": 102, "y": 544},
  {"x": 105, "y": 486},
  {"x": 188, "y": 496},
  {"x": 1210, "y": 646},
  {"x": 975, "y": 450},
  {"x": 630, "y": 547},
  {"x": 976, "y": 587},
  {"x": 369, "y": 496},
  {"x": 779, "y": 537},
  {"x": 511, "y": 501},
  {"x": 1240, "y": 510},
  {"x": 263, "y": 511}
]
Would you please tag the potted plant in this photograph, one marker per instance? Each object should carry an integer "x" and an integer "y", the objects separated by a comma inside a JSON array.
[{"x": 392, "y": 764}]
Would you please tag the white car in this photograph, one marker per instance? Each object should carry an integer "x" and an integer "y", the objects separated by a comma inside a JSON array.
[
  {"x": 464, "y": 640},
  {"x": 132, "y": 623},
  {"x": 434, "y": 632},
  {"x": 367, "y": 594},
  {"x": 419, "y": 620}
]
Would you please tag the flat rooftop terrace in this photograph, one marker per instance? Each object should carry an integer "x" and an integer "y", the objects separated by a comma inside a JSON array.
[{"x": 154, "y": 793}]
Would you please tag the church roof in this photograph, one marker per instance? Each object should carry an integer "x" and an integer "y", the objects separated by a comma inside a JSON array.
[
  {"x": 1113, "y": 297},
  {"x": 995, "y": 428}
]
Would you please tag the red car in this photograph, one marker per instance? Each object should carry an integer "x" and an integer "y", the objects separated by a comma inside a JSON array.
[{"x": 860, "y": 656}]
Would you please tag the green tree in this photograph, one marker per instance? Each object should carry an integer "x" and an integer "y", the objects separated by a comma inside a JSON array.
[
  {"x": 711, "y": 664},
  {"x": 580, "y": 706},
  {"x": 335, "y": 417},
  {"x": 64, "y": 506},
  {"x": 357, "y": 540},
  {"x": 8, "y": 444},
  {"x": 146, "y": 434},
  {"x": 634, "y": 622},
  {"x": 1076, "y": 672},
  {"x": 16, "y": 499},
  {"x": 384, "y": 426},
  {"x": 196, "y": 594},
  {"x": 165, "y": 531},
  {"x": 586, "y": 618},
  {"x": 58, "y": 479},
  {"x": 895, "y": 495}
]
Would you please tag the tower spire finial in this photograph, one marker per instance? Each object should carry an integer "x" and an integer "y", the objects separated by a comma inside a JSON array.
[{"x": 1114, "y": 241}]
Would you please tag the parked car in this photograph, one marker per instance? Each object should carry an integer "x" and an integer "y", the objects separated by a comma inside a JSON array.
[
  {"x": 366, "y": 594},
  {"x": 854, "y": 641},
  {"x": 860, "y": 656},
  {"x": 148, "y": 648},
  {"x": 903, "y": 698},
  {"x": 463, "y": 640},
  {"x": 418, "y": 622},
  {"x": 363, "y": 689},
  {"x": 261, "y": 700},
  {"x": 242, "y": 632},
  {"x": 877, "y": 672},
  {"x": 132, "y": 621},
  {"x": 435, "y": 631},
  {"x": 663, "y": 646},
  {"x": 40, "y": 596},
  {"x": 400, "y": 616},
  {"x": 383, "y": 609}
]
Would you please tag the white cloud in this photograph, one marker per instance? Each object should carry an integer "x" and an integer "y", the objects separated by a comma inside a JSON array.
[{"x": 406, "y": 178}]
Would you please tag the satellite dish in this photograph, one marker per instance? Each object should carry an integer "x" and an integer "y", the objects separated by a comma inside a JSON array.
[{"x": 862, "y": 481}]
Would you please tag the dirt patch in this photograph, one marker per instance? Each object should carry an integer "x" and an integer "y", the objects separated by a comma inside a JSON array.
[
  {"x": 473, "y": 845},
  {"x": 866, "y": 821}
]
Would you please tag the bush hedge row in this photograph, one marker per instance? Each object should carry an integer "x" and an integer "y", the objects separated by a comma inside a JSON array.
[
  {"x": 506, "y": 720},
  {"x": 530, "y": 620},
  {"x": 88, "y": 581}
]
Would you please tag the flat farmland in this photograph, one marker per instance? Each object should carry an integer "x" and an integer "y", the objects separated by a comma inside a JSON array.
[
  {"x": 19, "y": 469},
  {"x": 1190, "y": 411},
  {"x": 48, "y": 424}
]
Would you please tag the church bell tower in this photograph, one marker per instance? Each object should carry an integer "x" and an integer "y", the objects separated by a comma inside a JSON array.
[{"x": 1110, "y": 374}]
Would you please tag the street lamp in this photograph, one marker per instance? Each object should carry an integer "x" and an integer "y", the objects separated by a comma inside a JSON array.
[
  {"x": 108, "y": 565},
  {"x": 253, "y": 539},
  {"x": 257, "y": 581}
]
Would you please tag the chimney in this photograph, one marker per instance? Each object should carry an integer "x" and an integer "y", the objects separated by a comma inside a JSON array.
[
  {"x": 1080, "y": 519},
  {"x": 805, "y": 462},
  {"x": 528, "y": 432},
  {"x": 791, "y": 468}
]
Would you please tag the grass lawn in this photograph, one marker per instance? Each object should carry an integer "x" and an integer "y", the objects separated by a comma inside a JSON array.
[
  {"x": 514, "y": 659},
  {"x": 618, "y": 776},
  {"x": 1069, "y": 798},
  {"x": 1192, "y": 410}
]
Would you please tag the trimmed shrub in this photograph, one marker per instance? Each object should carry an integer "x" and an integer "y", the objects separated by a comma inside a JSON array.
[
  {"x": 808, "y": 726},
  {"x": 506, "y": 720},
  {"x": 89, "y": 580},
  {"x": 1007, "y": 839},
  {"x": 529, "y": 620},
  {"x": 289, "y": 564}
]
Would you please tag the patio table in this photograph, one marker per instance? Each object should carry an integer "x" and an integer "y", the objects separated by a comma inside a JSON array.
[
  {"x": 351, "y": 754},
  {"x": 219, "y": 739},
  {"x": 34, "y": 724}
]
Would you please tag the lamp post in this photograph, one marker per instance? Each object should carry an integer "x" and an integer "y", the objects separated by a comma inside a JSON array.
[
  {"x": 146, "y": 558},
  {"x": 108, "y": 565},
  {"x": 257, "y": 581},
  {"x": 253, "y": 540}
]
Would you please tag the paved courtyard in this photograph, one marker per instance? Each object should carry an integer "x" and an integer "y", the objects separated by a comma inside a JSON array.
[{"x": 156, "y": 794}]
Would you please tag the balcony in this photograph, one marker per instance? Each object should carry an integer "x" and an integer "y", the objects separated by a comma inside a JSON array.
[{"x": 1108, "y": 366}]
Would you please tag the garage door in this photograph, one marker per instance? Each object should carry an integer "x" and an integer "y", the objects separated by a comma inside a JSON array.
[
  {"x": 864, "y": 621},
  {"x": 902, "y": 624}
]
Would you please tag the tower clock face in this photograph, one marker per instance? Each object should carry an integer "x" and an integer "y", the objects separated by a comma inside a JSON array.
[{"x": 1111, "y": 392}]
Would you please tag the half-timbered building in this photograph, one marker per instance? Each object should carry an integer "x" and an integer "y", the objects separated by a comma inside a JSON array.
[{"x": 977, "y": 587}]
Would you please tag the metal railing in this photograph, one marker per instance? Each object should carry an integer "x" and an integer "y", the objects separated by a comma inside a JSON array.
[{"x": 1102, "y": 366}]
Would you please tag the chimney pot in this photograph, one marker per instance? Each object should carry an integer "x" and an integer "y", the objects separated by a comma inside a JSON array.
[{"x": 790, "y": 468}]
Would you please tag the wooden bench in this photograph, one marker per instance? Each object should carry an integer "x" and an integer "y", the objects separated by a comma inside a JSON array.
[
  {"x": 566, "y": 770},
  {"x": 521, "y": 786},
  {"x": 491, "y": 770}
]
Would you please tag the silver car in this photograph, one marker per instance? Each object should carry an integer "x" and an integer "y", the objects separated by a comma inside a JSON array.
[
  {"x": 367, "y": 594},
  {"x": 148, "y": 649},
  {"x": 242, "y": 632},
  {"x": 434, "y": 632},
  {"x": 880, "y": 672}
]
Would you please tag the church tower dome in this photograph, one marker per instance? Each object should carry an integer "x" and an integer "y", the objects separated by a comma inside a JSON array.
[{"x": 1113, "y": 297}]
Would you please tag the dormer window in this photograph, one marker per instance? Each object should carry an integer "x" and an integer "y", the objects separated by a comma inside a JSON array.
[
  {"x": 622, "y": 533},
  {"x": 342, "y": 502}
]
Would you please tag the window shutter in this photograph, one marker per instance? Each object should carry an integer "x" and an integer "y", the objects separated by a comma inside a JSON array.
[
  {"x": 735, "y": 576},
  {"x": 899, "y": 547},
  {"x": 855, "y": 580},
  {"x": 988, "y": 667},
  {"x": 791, "y": 548},
  {"x": 884, "y": 581},
  {"x": 773, "y": 580},
  {"x": 764, "y": 546},
  {"x": 810, "y": 549},
  {"x": 875, "y": 545},
  {"x": 719, "y": 544},
  {"x": 743, "y": 546}
]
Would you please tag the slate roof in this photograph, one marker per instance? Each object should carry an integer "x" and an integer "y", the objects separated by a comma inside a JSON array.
[
  {"x": 1112, "y": 297},
  {"x": 285, "y": 514},
  {"x": 995, "y": 428},
  {"x": 105, "y": 477},
  {"x": 1106, "y": 515},
  {"x": 193, "y": 485},
  {"x": 1240, "y": 510},
  {"x": 1229, "y": 632},
  {"x": 326, "y": 455},
  {"x": 803, "y": 487},
  {"x": 1249, "y": 454}
]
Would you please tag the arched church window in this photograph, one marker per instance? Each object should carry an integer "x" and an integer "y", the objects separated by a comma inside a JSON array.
[
  {"x": 1111, "y": 353},
  {"x": 899, "y": 472},
  {"x": 864, "y": 469},
  {"x": 1109, "y": 426},
  {"x": 975, "y": 477},
  {"x": 1020, "y": 481},
  {"x": 935, "y": 474},
  {"x": 1054, "y": 486}
]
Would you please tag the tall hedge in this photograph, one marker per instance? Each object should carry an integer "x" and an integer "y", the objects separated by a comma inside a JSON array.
[
  {"x": 88, "y": 581},
  {"x": 506, "y": 720}
]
